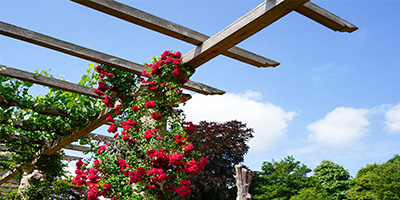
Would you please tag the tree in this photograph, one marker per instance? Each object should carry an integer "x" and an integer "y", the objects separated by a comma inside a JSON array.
[
  {"x": 378, "y": 181},
  {"x": 225, "y": 144},
  {"x": 280, "y": 180},
  {"x": 333, "y": 178}
]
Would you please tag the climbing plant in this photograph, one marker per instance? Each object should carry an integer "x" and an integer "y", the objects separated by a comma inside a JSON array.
[
  {"x": 29, "y": 123},
  {"x": 153, "y": 155}
]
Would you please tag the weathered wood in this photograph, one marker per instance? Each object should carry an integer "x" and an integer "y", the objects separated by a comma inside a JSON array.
[
  {"x": 258, "y": 18},
  {"x": 165, "y": 27},
  {"x": 68, "y": 139},
  {"x": 6, "y": 177},
  {"x": 85, "y": 53},
  {"x": 94, "y": 136},
  {"x": 42, "y": 109},
  {"x": 71, "y": 158},
  {"x": 325, "y": 18},
  {"x": 47, "y": 81},
  {"x": 77, "y": 147},
  {"x": 243, "y": 180}
]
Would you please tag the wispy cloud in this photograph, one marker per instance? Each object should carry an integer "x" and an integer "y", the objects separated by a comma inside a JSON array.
[
  {"x": 327, "y": 71},
  {"x": 269, "y": 121}
]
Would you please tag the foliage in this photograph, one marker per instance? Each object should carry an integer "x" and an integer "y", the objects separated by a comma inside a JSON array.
[
  {"x": 154, "y": 156},
  {"x": 334, "y": 179},
  {"x": 226, "y": 146},
  {"x": 280, "y": 180},
  {"x": 378, "y": 181},
  {"x": 26, "y": 126},
  {"x": 313, "y": 193}
]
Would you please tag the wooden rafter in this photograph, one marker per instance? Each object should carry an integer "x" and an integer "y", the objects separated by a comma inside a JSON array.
[
  {"x": 325, "y": 18},
  {"x": 40, "y": 108},
  {"x": 258, "y": 18},
  {"x": 76, "y": 147},
  {"x": 94, "y": 136},
  {"x": 165, "y": 27},
  {"x": 47, "y": 81},
  {"x": 89, "y": 54}
]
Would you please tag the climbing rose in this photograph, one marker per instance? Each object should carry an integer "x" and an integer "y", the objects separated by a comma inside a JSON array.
[
  {"x": 107, "y": 186},
  {"x": 183, "y": 191},
  {"x": 176, "y": 159},
  {"x": 147, "y": 135},
  {"x": 110, "y": 118},
  {"x": 101, "y": 149},
  {"x": 179, "y": 139},
  {"x": 188, "y": 148},
  {"x": 112, "y": 129},
  {"x": 135, "y": 108},
  {"x": 151, "y": 104},
  {"x": 156, "y": 116},
  {"x": 176, "y": 72}
]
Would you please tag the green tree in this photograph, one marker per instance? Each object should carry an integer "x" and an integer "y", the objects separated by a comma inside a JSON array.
[
  {"x": 280, "y": 180},
  {"x": 378, "y": 181},
  {"x": 334, "y": 179}
]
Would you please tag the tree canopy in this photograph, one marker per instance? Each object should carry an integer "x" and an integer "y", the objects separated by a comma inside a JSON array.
[{"x": 225, "y": 144}]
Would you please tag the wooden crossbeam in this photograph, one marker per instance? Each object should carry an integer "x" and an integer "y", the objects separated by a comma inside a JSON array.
[
  {"x": 40, "y": 108},
  {"x": 94, "y": 136},
  {"x": 68, "y": 139},
  {"x": 47, "y": 81},
  {"x": 165, "y": 27},
  {"x": 325, "y": 18},
  {"x": 77, "y": 147},
  {"x": 70, "y": 158},
  {"x": 258, "y": 18},
  {"x": 89, "y": 54}
]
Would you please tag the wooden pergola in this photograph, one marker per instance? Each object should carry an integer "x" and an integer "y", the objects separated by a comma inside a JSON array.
[{"x": 206, "y": 49}]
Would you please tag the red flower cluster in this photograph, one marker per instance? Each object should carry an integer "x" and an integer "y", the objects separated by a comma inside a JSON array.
[
  {"x": 159, "y": 158},
  {"x": 151, "y": 104},
  {"x": 156, "y": 116}
]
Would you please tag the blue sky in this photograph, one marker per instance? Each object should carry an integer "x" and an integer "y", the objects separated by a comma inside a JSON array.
[{"x": 335, "y": 95}]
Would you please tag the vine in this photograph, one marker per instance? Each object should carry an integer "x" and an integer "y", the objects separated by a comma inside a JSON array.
[{"x": 152, "y": 156}]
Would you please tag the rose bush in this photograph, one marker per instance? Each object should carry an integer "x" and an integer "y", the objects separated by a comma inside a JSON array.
[{"x": 153, "y": 154}]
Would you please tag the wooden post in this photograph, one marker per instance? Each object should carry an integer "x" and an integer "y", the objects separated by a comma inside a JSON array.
[{"x": 243, "y": 180}]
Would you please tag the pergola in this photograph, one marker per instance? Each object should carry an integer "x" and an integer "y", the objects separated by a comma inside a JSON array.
[{"x": 206, "y": 49}]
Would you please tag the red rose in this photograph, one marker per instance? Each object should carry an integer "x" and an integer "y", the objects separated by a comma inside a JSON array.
[
  {"x": 156, "y": 116},
  {"x": 151, "y": 104},
  {"x": 135, "y": 108},
  {"x": 176, "y": 72}
]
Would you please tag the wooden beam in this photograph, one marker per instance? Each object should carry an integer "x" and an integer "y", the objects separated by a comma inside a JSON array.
[
  {"x": 165, "y": 27},
  {"x": 258, "y": 18},
  {"x": 47, "y": 81},
  {"x": 94, "y": 136},
  {"x": 64, "y": 141},
  {"x": 37, "y": 107},
  {"x": 77, "y": 147},
  {"x": 85, "y": 53},
  {"x": 6, "y": 177},
  {"x": 70, "y": 158},
  {"x": 325, "y": 18}
]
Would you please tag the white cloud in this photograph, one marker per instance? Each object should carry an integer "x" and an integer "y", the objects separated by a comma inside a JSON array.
[
  {"x": 268, "y": 121},
  {"x": 341, "y": 127},
  {"x": 392, "y": 118}
]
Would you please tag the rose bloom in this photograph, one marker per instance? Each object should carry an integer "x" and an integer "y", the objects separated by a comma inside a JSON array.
[
  {"x": 135, "y": 108},
  {"x": 151, "y": 104}
]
